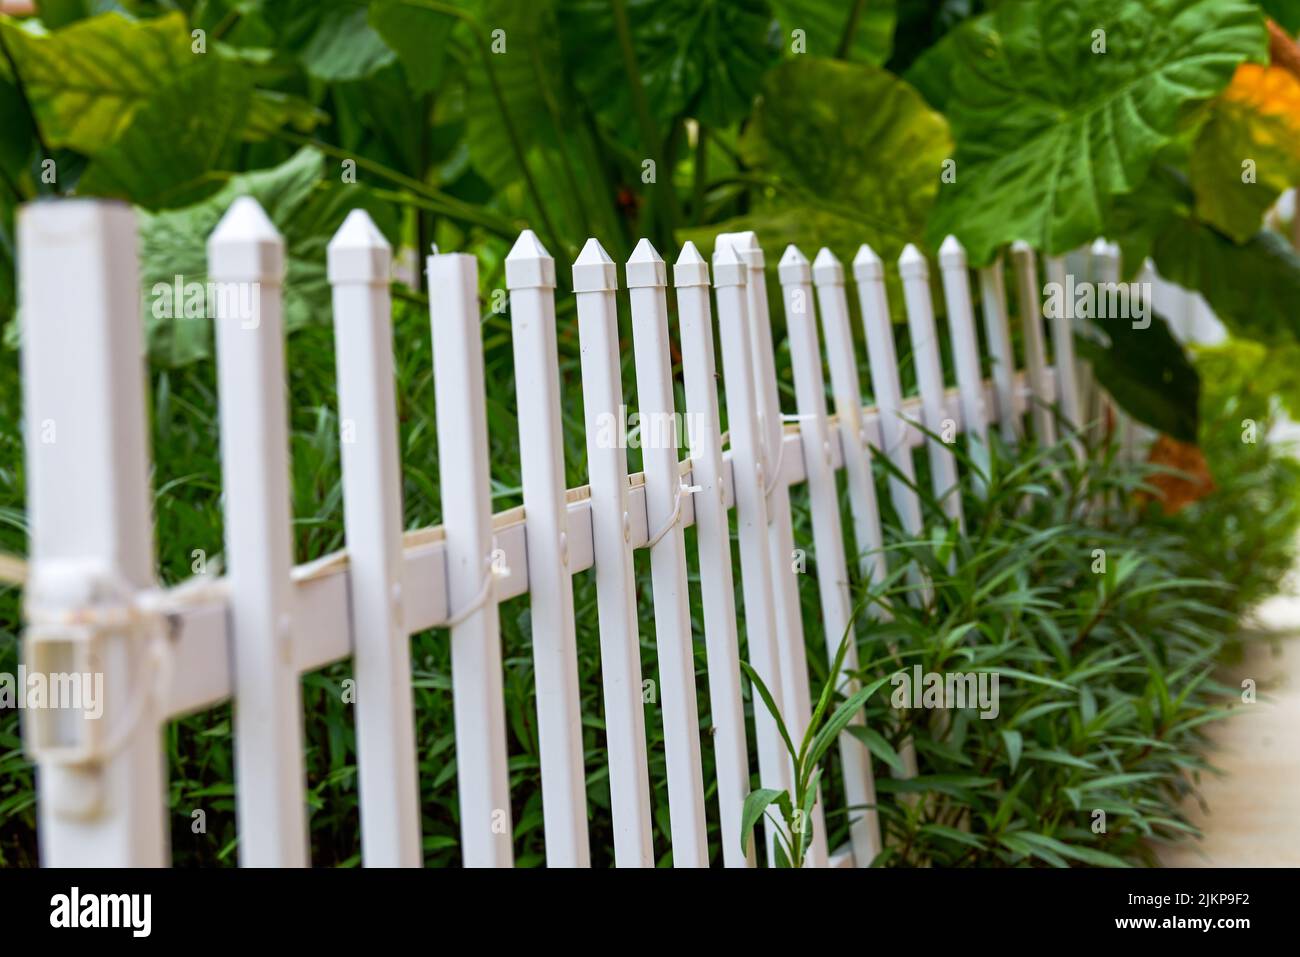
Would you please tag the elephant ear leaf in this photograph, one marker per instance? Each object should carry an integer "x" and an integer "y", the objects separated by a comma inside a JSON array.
[
  {"x": 1058, "y": 106},
  {"x": 840, "y": 184}
]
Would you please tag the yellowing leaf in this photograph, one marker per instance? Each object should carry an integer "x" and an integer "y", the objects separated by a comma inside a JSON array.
[
  {"x": 1249, "y": 150},
  {"x": 86, "y": 81}
]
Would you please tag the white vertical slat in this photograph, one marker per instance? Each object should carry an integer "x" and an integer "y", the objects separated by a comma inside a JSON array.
[
  {"x": 796, "y": 694},
  {"x": 997, "y": 331},
  {"x": 869, "y": 273},
  {"x": 245, "y": 249},
  {"x": 965, "y": 349},
  {"x": 1106, "y": 262},
  {"x": 1031, "y": 320},
  {"x": 88, "y": 506},
  {"x": 730, "y": 276},
  {"x": 828, "y": 277},
  {"x": 465, "y": 480},
  {"x": 360, "y": 263},
  {"x": 647, "y": 279},
  {"x": 1062, "y": 326},
  {"x": 828, "y": 536},
  {"x": 595, "y": 280},
  {"x": 530, "y": 277},
  {"x": 915, "y": 273},
  {"x": 713, "y": 543}
]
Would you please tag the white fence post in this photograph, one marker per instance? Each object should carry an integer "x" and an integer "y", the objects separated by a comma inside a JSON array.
[
  {"x": 88, "y": 500},
  {"x": 1062, "y": 326},
  {"x": 795, "y": 697},
  {"x": 465, "y": 482},
  {"x": 245, "y": 252},
  {"x": 997, "y": 330},
  {"x": 730, "y": 277},
  {"x": 713, "y": 541},
  {"x": 828, "y": 538},
  {"x": 965, "y": 351},
  {"x": 530, "y": 277},
  {"x": 360, "y": 262},
  {"x": 869, "y": 273},
  {"x": 828, "y": 277},
  {"x": 647, "y": 279},
  {"x": 1031, "y": 320},
  {"x": 915, "y": 273},
  {"x": 595, "y": 280}
]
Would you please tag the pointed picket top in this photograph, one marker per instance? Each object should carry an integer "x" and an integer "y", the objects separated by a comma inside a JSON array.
[
  {"x": 646, "y": 267},
  {"x": 529, "y": 265},
  {"x": 359, "y": 252},
  {"x": 728, "y": 270},
  {"x": 1020, "y": 246},
  {"x": 690, "y": 268},
  {"x": 594, "y": 270},
  {"x": 952, "y": 254},
  {"x": 245, "y": 246},
  {"x": 827, "y": 270},
  {"x": 1099, "y": 247},
  {"x": 867, "y": 265},
  {"x": 912, "y": 264},
  {"x": 793, "y": 267},
  {"x": 745, "y": 245}
]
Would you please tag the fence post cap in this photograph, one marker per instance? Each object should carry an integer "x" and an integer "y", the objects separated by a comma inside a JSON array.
[
  {"x": 952, "y": 254},
  {"x": 529, "y": 265},
  {"x": 793, "y": 267},
  {"x": 827, "y": 270},
  {"x": 1021, "y": 248},
  {"x": 245, "y": 245},
  {"x": 359, "y": 252},
  {"x": 867, "y": 265},
  {"x": 1104, "y": 249},
  {"x": 745, "y": 245},
  {"x": 593, "y": 270},
  {"x": 646, "y": 267},
  {"x": 728, "y": 270},
  {"x": 912, "y": 264},
  {"x": 690, "y": 268}
]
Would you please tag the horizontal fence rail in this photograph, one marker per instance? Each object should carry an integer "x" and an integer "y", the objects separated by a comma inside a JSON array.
[{"x": 252, "y": 633}]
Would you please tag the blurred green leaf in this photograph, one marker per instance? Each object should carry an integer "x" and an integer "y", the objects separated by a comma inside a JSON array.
[
  {"x": 840, "y": 184},
  {"x": 86, "y": 81},
  {"x": 862, "y": 29}
]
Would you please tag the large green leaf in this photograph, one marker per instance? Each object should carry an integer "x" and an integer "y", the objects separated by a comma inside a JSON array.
[
  {"x": 703, "y": 58},
  {"x": 305, "y": 206},
  {"x": 860, "y": 30},
  {"x": 168, "y": 154},
  {"x": 1254, "y": 287},
  {"x": 418, "y": 35},
  {"x": 1048, "y": 131},
  {"x": 344, "y": 46},
  {"x": 837, "y": 183},
  {"x": 1147, "y": 373},
  {"x": 86, "y": 81}
]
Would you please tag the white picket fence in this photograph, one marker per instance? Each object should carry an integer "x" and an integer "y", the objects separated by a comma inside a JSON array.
[{"x": 94, "y": 604}]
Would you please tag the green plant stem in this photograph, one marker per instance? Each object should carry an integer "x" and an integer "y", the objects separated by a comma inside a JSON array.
[
  {"x": 640, "y": 103},
  {"x": 699, "y": 174},
  {"x": 512, "y": 132},
  {"x": 850, "y": 28}
]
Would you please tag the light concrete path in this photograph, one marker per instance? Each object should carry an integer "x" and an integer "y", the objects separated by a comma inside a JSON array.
[{"x": 1252, "y": 812}]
